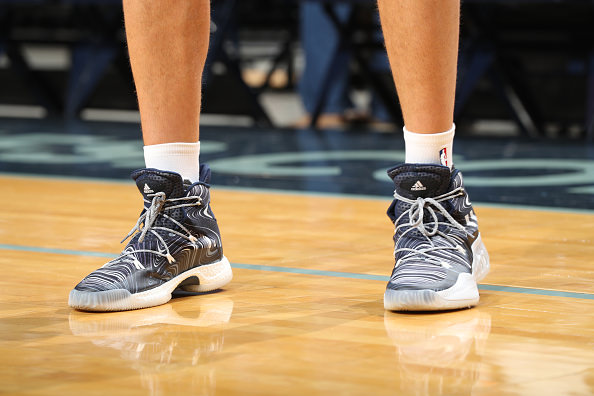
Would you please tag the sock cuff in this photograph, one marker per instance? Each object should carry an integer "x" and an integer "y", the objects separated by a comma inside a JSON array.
[
  {"x": 172, "y": 149},
  {"x": 182, "y": 158},
  {"x": 429, "y": 148},
  {"x": 441, "y": 138}
]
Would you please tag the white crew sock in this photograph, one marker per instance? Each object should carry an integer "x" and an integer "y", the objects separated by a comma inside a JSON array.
[
  {"x": 435, "y": 148},
  {"x": 182, "y": 158}
]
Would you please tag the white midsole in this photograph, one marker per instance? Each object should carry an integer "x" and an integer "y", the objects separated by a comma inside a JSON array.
[
  {"x": 464, "y": 293},
  {"x": 211, "y": 277}
]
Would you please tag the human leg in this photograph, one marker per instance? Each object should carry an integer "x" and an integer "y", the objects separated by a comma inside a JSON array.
[
  {"x": 422, "y": 42},
  {"x": 438, "y": 249},
  {"x": 168, "y": 44},
  {"x": 176, "y": 241}
]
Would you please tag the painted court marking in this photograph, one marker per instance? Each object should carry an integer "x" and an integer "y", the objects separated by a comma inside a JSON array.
[{"x": 306, "y": 271}]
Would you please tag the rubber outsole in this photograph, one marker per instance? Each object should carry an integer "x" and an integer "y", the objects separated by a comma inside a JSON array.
[
  {"x": 463, "y": 294},
  {"x": 210, "y": 277}
]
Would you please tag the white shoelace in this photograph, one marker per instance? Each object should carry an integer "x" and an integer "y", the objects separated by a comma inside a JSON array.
[
  {"x": 416, "y": 214},
  {"x": 149, "y": 216}
]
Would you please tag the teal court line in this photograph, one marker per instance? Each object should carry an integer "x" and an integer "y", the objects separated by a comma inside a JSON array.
[{"x": 305, "y": 271}]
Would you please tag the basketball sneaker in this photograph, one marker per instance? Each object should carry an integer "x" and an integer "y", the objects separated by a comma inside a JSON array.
[
  {"x": 175, "y": 243},
  {"x": 438, "y": 249}
]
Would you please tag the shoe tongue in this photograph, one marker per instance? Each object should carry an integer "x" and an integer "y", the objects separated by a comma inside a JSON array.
[
  {"x": 414, "y": 180},
  {"x": 151, "y": 181}
]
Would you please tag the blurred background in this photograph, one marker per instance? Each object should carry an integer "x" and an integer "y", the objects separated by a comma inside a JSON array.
[
  {"x": 299, "y": 97},
  {"x": 526, "y": 67}
]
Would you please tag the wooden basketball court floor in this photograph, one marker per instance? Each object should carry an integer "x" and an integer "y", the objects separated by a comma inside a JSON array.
[{"x": 304, "y": 312}]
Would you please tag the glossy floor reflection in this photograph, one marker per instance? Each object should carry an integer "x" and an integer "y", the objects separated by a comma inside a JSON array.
[
  {"x": 442, "y": 353},
  {"x": 304, "y": 313},
  {"x": 163, "y": 341}
]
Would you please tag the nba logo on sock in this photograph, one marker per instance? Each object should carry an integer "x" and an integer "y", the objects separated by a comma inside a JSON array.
[{"x": 443, "y": 156}]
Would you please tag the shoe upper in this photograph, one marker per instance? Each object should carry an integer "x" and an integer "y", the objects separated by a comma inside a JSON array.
[
  {"x": 176, "y": 231},
  {"x": 435, "y": 227}
]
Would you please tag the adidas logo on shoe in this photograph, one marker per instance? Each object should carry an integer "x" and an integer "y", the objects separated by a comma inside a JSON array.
[
  {"x": 418, "y": 186},
  {"x": 147, "y": 189}
]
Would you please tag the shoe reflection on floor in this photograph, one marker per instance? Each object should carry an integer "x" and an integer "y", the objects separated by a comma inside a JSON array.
[
  {"x": 438, "y": 353},
  {"x": 160, "y": 341}
]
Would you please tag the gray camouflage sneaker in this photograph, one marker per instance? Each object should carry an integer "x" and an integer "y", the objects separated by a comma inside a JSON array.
[
  {"x": 438, "y": 249},
  {"x": 176, "y": 243}
]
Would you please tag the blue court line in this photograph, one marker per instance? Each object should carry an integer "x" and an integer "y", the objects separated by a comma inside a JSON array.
[
  {"x": 306, "y": 271},
  {"x": 540, "y": 292}
]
